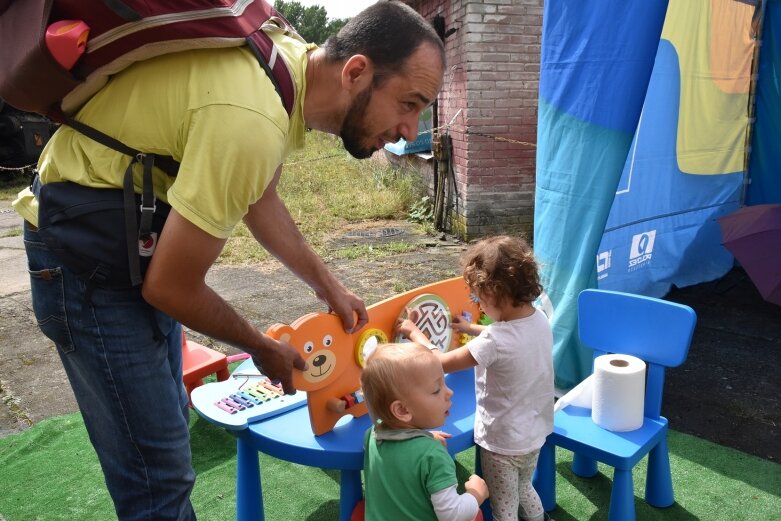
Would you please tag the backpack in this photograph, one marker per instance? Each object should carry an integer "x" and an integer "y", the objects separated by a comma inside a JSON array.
[
  {"x": 121, "y": 32},
  {"x": 89, "y": 228}
]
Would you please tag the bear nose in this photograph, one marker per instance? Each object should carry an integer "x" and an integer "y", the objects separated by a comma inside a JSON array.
[{"x": 319, "y": 360}]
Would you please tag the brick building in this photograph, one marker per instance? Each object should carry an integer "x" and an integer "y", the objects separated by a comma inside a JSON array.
[{"x": 488, "y": 104}]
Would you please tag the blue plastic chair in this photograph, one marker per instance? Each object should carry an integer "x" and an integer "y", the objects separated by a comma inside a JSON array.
[{"x": 656, "y": 331}]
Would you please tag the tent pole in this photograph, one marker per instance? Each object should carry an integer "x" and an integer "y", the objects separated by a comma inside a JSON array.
[{"x": 756, "y": 30}]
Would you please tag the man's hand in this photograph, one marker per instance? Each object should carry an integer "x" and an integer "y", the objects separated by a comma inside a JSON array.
[
  {"x": 270, "y": 223},
  {"x": 347, "y": 305},
  {"x": 476, "y": 486},
  {"x": 277, "y": 361}
]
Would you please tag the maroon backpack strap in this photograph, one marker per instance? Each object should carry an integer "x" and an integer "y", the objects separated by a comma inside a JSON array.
[{"x": 263, "y": 47}]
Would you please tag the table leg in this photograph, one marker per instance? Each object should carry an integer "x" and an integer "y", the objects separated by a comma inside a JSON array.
[
  {"x": 249, "y": 493},
  {"x": 351, "y": 493}
]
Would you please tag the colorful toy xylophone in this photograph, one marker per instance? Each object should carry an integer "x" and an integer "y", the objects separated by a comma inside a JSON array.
[{"x": 248, "y": 396}]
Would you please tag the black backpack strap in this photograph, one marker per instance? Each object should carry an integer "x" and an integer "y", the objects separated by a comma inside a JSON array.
[
  {"x": 133, "y": 230},
  {"x": 165, "y": 163}
]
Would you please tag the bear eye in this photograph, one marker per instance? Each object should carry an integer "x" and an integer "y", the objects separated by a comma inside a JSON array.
[
  {"x": 309, "y": 347},
  {"x": 328, "y": 340}
]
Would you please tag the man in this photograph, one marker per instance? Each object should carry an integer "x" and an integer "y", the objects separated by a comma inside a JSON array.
[{"x": 216, "y": 113}]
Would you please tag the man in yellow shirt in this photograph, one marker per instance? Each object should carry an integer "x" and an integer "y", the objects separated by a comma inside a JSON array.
[{"x": 215, "y": 112}]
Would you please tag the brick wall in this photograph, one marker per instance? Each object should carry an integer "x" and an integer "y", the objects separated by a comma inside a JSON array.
[{"x": 490, "y": 95}]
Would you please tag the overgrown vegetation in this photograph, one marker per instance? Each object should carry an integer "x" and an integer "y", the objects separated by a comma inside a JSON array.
[
  {"x": 12, "y": 182},
  {"x": 325, "y": 189}
]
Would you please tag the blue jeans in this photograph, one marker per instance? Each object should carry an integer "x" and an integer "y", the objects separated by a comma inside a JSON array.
[{"x": 128, "y": 383}]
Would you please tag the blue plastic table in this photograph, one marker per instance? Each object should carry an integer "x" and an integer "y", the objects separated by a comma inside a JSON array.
[{"x": 289, "y": 437}]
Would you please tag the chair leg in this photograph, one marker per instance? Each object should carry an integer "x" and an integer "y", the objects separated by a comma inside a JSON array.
[
  {"x": 544, "y": 479},
  {"x": 622, "y": 498},
  {"x": 189, "y": 388},
  {"x": 659, "y": 481},
  {"x": 583, "y": 466},
  {"x": 223, "y": 374}
]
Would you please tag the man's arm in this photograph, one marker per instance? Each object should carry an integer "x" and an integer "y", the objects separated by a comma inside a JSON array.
[
  {"x": 274, "y": 228},
  {"x": 176, "y": 285}
]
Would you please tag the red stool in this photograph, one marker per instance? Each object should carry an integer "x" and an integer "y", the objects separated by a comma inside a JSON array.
[
  {"x": 360, "y": 510},
  {"x": 199, "y": 361}
]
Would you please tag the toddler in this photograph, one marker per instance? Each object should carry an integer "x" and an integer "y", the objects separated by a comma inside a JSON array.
[{"x": 409, "y": 475}]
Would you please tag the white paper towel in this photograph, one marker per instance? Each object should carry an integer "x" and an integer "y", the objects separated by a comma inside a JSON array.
[
  {"x": 580, "y": 395},
  {"x": 619, "y": 392}
]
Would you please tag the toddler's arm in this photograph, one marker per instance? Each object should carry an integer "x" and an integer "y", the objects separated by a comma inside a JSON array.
[
  {"x": 450, "y": 506},
  {"x": 459, "y": 324},
  {"x": 409, "y": 329}
]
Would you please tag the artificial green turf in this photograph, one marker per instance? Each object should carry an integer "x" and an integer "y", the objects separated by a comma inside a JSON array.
[{"x": 50, "y": 472}]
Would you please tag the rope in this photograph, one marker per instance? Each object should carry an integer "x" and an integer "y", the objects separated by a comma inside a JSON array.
[
  {"x": 466, "y": 131},
  {"x": 341, "y": 154},
  {"x": 19, "y": 169}
]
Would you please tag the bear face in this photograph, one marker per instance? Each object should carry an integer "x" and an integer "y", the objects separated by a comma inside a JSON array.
[{"x": 321, "y": 341}]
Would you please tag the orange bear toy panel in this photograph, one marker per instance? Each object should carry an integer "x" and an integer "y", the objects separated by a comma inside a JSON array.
[{"x": 335, "y": 358}]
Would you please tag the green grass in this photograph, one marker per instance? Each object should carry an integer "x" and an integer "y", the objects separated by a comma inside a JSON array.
[
  {"x": 12, "y": 183},
  {"x": 373, "y": 251},
  {"x": 50, "y": 473},
  {"x": 325, "y": 189},
  {"x": 13, "y": 232}
]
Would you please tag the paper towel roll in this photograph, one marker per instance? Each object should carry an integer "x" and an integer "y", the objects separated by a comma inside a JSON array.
[
  {"x": 619, "y": 392},
  {"x": 580, "y": 396}
]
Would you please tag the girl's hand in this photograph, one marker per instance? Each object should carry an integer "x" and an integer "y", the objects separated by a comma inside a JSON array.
[
  {"x": 407, "y": 326},
  {"x": 459, "y": 324}
]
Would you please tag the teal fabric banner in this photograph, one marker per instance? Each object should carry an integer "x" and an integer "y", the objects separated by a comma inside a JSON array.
[
  {"x": 596, "y": 62},
  {"x": 765, "y": 169}
]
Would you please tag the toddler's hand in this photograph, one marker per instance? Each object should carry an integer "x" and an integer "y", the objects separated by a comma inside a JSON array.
[
  {"x": 407, "y": 326},
  {"x": 476, "y": 486},
  {"x": 441, "y": 437},
  {"x": 460, "y": 324},
  {"x": 404, "y": 327}
]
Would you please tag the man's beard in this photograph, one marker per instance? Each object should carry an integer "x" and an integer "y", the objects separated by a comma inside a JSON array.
[{"x": 354, "y": 129}]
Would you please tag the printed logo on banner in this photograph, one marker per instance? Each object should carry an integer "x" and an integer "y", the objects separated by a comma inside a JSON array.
[
  {"x": 603, "y": 264},
  {"x": 642, "y": 249}
]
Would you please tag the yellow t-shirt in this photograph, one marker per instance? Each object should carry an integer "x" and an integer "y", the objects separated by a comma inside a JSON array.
[{"x": 213, "y": 110}]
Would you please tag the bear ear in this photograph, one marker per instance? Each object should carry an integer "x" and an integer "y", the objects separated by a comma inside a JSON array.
[{"x": 282, "y": 332}]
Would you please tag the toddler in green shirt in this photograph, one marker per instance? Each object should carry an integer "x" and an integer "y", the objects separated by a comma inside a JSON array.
[{"x": 408, "y": 473}]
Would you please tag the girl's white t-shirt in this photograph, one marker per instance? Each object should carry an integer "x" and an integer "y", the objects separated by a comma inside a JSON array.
[{"x": 514, "y": 385}]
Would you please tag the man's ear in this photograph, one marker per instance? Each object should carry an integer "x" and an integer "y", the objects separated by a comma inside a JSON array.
[
  {"x": 400, "y": 411},
  {"x": 357, "y": 73}
]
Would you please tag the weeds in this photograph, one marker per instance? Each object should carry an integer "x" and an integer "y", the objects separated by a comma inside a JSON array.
[{"x": 325, "y": 189}]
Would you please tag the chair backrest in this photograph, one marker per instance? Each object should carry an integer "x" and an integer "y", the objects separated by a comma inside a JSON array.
[{"x": 654, "y": 330}]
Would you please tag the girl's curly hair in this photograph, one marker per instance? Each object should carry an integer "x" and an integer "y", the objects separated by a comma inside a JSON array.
[{"x": 503, "y": 268}]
